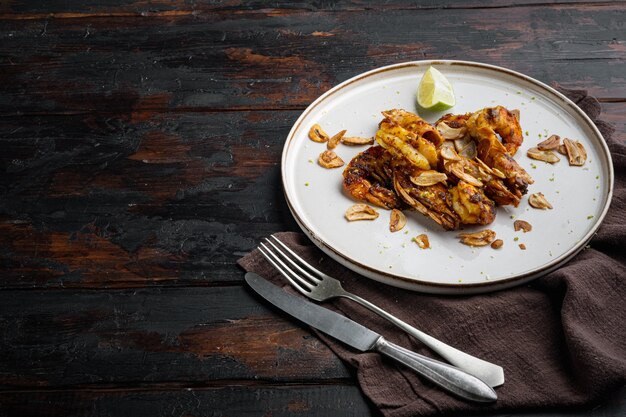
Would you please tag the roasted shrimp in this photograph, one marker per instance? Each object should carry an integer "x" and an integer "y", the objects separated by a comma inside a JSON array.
[
  {"x": 368, "y": 177},
  {"x": 494, "y": 155},
  {"x": 459, "y": 204},
  {"x": 483, "y": 126},
  {"x": 454, "y": 172},
  {"x": 497, "y": 120},
  {"x": 471, "y": 204},
  {"x": 414, "y": 124},
  {"x": 424, "y": 137},
  {"x": 433, "y": 201},
  {"x": 403, "y": 143},
  {"x": 478, "y": 174},
  {"x": 454, "y": 128}
]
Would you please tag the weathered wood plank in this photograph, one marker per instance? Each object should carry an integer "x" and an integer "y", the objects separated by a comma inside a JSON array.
[
  {"x": 313, "y": 401},
  {"x": 139, "y": 200},
  {"x": 59, "y": 338},
  {"x": 126, "y": 189},
  {"x": 146, "y": 199},
  {"x": 258, "y": 59},
  {"x": 75, "y": 9},
  {"x": 310, "y": 401}
]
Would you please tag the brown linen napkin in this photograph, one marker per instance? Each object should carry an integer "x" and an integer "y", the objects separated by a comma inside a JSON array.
[{"x": 561, "y": 340}]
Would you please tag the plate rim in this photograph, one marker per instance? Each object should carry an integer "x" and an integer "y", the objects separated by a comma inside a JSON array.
[{"x": 434, "y": 287}]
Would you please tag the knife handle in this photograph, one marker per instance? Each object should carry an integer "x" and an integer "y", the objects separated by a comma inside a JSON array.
[
  {"x": 488, "y": 372},
  {"x": 446, "y": 376}
]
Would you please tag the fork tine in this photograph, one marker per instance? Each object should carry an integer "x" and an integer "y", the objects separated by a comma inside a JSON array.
[
  {"x": 313, "y": 279},
  {"x": 285, "y": 271},
  {"x": 302, "y": 261}
]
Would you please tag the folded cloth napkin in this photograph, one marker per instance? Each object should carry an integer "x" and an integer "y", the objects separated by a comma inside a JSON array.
[{"x": 561, "y": 339}]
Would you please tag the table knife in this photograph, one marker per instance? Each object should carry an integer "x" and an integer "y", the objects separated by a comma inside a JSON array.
[{"x": 363, "y": 339}]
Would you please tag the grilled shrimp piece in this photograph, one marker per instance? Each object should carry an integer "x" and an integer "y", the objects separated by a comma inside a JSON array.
[
  {"x": 497, "y": 191},
  {"x": 403, "y": 143},
  {"x": 471, "y": 204},
  {"x": 433, "y": 201},
  {"x": 368, "y": 177},
  {"x": 450, "y": 207},
  {"x": 472, "y": 172},
  {"x": 422, "y": 135},
  {"x": 454, "y": 127},
  {"x": 497, "y": 120},
  {"x": 414, "y": 124},
  {"x": 494, "y": 153},
  {"x": 453, "y": 121}
]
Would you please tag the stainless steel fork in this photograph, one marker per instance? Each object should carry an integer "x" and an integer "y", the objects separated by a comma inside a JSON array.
[{"x": 321, "y": 287}]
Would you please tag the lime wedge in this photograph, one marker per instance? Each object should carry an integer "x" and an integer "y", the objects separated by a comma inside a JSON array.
[{"x": 435, "y": 91}]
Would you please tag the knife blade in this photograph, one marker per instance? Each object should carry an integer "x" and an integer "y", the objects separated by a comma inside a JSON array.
[{"x": 363, "y": 339}]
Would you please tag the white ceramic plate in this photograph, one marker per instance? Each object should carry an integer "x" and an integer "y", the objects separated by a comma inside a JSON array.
[{"x": 580, "y": 195}]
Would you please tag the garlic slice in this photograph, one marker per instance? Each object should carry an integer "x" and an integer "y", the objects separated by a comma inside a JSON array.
[
  {"x": 357, "y": 141},
  {"x": 576, "y": 152},
  {"x": 422, "y": 241},
  {"x": 426, "y": 178},
  {"x": 317, "y": 134},
  {"x": 538, "y": 201},
  {"x": 361, "y": 212},
  {"x": 545, "y": 156},
  {"x": 482, "y": 238},
  {"x": 397, "y": 220},
  {"x": 334, "y": 141},
  {"x": 451, "y": 133},
  {"x": 522, "y": 225},
  {"x": 550, "y": 144},
  {"x": 329, "y": 159}
]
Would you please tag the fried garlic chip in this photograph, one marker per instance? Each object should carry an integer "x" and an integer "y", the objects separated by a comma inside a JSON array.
[
  {"x": 422, "y": 241},
  {"x": 538, "y": 201},
  {"x": 317, "y": 134},
  {"x": 397, "y": 220},
  {"x": 361, "y": 212},
  {"x": 576, "y": 152},
  {"x": 329, "y": 159},
  {"x": 482, "y": 238}
]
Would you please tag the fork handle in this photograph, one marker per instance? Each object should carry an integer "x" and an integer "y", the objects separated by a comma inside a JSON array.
[
  {"x": 491, "y": 373},
  {"x": 448, "y": 377}
]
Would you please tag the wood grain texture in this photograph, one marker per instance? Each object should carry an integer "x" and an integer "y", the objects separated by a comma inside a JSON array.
[
  {"x": 140, "y": 156},
  {"x": 76, "y": 8},
  {"x": 125, "y": 201},
  {"x": 66, "y": 337},
  {"x": 256, "y": 59},
  {"x": 310, "y": 401},
  {"x": 145, "y": 199},
  {"x": 227, "y": 401}
]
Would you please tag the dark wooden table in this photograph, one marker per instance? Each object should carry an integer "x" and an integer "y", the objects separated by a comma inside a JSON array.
[{"x": 140, "y": 149}]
